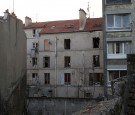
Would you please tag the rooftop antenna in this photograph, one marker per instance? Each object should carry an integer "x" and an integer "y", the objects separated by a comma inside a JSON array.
[
  {"x": 88, "y": 9},
  {"x": 13, "y": 5},
  {"x": 36, "y": 17}
]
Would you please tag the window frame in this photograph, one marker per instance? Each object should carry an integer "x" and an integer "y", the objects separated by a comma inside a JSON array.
[
  {"x": 115, "y": 21},
  {"x": 46, "y": 78},
  {"x": 46, "y": 61},
  {"x": 67, "y": 44},
  {"x": 123, "y": 46},
  {"x": 67, "y": 78},
  {"x": 96, "y": 39},
  {"x": 121, "y": 2},
  {"x": 67, "y": 61},
  {"x": 96, "y": 63},
  {"x": 34, "y": 61}
]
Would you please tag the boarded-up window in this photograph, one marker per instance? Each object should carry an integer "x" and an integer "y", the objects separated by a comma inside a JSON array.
[{"x": 46, "y": 44}]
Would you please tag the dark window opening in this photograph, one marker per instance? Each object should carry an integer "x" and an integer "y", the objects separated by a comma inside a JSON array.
[
  {"x": 67, "y": 79},
  {"x": 67, "y": 43},
  {"x": 34, "y": 75},
  {"x": 96, "y": 42},
  {"x": 46, "y": 62},
  {"x": 47, "y": 78},
  {"x": 67, "y": 61},
  {"x": 34, "y": 61},
  {"x": 34, "y": 32},
  {"x": 95, "y": 78},
  {"x": 96, "y": 62}
]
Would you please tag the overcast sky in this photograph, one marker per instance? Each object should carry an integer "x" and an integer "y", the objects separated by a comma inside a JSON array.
[{"x": 50, "y": 10}]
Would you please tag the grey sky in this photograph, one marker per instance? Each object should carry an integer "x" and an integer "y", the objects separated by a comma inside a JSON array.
[{"x": 48, "y": 10}]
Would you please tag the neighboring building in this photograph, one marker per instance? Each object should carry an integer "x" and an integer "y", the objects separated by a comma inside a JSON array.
[
  {"x": 65, "y": 58},
  {"x": 12, "y": 65},
  {"x": 119, "y": 34}
]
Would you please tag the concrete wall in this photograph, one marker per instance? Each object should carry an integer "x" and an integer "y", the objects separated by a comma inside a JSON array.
[
  {"x": 42, "y": 106},
  {"x": 119, "y": 36},
  {"x": 13, "y": 57}
]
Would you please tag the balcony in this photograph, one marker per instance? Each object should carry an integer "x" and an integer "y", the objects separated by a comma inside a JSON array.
[
  {"x": 109, "y": 2},
  {"x": 34, "y": 51}
]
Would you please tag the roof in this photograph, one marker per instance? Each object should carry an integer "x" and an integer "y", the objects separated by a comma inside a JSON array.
[
  {"x": 35, "y": 25},
  {"x": 92, "y": 24}
]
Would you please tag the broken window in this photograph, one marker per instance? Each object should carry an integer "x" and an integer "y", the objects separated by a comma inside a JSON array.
[
  {"x": 67, "y": 79},
  {"x": 95, "y": 78},
  {"x": 118, "y": 1},
  {"x": 34, "y": 61},
  {"x": 34, "y": 75},
  {"x": 46, "y": 62},
  {"x": 34, "y": 32},
  {"x": 46, "y": 44},
  {"x": 67, "y": 61},
  {"x": 96, "y": 62},
  {"x": 67, "y": 43},
  {"x": 47, "y": 78},
  {"x": 96, "y": 42}
]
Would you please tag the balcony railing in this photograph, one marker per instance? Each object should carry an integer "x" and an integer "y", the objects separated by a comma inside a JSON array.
[{"x": 118, "y": 1}]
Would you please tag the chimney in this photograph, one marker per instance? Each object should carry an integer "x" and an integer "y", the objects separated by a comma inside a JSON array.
[
  {"x": 82, "y": 19},
  {"x": 28, "y": 21},
  {"x": 6, "y": 13}
]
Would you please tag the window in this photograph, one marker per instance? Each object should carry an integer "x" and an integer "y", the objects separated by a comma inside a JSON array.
[
  {"x": 34, "y": 32},
  {"x": 46, "y": 62},
  {"x": 96, "y": 62},
  {"x": 67, "y": 79},
  {"x": 34, "y": 61},
  {"x": 46, "y": 44},
  {"x": 67, "y": 43},
  {"x": 95, "y": 78},
  {"x": 34, "y": 75},
  {"x": 118, "y": 22},
  {"x": 35, "y": 45},
  {"x": 116, "y": 74},
  {"x": 119, "y": 48},
  {"x": 67, "y": 61},
  {"x": 47, "y": 78},
  {"x": 117, "y": 1},
  {"x": 96, "y": 42}
]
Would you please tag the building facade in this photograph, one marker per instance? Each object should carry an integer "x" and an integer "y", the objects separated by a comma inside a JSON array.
[
  {"x": 12, "y": 65},
  {"x": 65, "y": 58},
  {"x": 119, "y": 33}
]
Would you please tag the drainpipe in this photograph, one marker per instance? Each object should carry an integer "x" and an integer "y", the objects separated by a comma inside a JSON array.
[
  {"x": 56, "y": 67},
  {"x": 104, "y": 49}
]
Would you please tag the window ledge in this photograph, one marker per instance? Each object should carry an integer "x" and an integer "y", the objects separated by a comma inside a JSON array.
[
  {"x": 119, "y": 30},
  {"x": 116, "y": 56}
]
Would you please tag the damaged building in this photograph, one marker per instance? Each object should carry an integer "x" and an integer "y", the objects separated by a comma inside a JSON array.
[{"x": 65, "y": 58}]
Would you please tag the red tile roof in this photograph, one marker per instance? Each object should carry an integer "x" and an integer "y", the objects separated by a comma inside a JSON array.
[
  {"x": 92, "y": 24},
  {"x": 35, "y": 25}
]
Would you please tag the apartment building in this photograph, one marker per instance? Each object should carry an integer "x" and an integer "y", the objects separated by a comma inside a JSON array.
[
  {"x": 65, "y": 58},
  {"x": 119, "y": 36}
]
